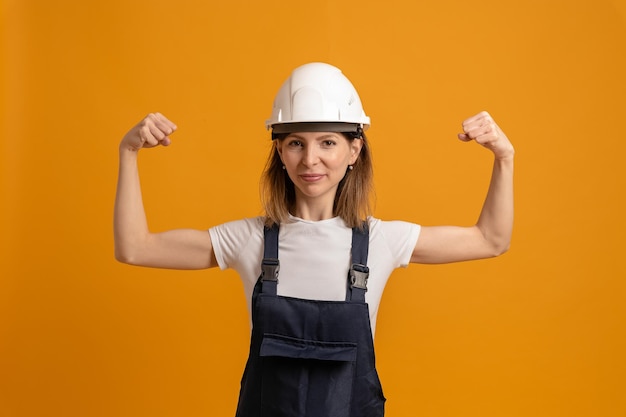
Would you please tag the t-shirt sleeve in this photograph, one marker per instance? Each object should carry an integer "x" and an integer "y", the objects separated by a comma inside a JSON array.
[
  {"x": 230, "y": 239},
  {"x": 400, "y": 237}
]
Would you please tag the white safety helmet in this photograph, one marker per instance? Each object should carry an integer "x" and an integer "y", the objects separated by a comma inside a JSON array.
[{"x": 317, "y": 97}]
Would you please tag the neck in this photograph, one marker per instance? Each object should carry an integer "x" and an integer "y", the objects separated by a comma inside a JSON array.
[{"x": 314, "y": 209}]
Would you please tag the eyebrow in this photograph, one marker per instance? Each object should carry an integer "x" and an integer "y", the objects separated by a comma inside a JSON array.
[{"x": 327, "y": 136}]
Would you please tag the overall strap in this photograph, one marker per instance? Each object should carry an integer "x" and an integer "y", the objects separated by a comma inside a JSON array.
[
  {"x": 357, "y": 276},
  {"x": 270, "y": 265},
  {"x": 359, "y": 272}
]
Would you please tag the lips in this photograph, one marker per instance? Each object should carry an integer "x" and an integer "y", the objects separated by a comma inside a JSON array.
[{"x": 311, "y": 177}]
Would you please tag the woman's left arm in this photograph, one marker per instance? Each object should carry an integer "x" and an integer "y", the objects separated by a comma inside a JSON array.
[{"x": 491, "y": 235}]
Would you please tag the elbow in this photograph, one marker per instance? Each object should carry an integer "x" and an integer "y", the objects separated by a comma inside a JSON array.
[
  {"x": 500, "y": 248},
  {"x": 130, "y": 250},
  {"x": 122, "y": 257},
  {"x": 125, "y": 256},
  {"x": 501, "y": 251},
  {"x": 494, "y": 244}
]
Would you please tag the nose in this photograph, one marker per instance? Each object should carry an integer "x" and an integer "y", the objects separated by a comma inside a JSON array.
[{"x": 310, "y": 157}]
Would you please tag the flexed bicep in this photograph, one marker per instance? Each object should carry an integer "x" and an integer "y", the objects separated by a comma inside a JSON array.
[{"x": 446, "y": 244}]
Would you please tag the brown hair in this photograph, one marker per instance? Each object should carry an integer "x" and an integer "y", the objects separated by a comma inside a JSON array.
[{"x": 352, "y": 201}]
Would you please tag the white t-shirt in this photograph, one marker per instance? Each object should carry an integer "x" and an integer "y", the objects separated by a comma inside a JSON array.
[{"x": 315, "y": 256}]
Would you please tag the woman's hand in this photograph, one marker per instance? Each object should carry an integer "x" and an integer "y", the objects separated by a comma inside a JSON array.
[
  {"x": 152, "y": 131},
  {"x": 484, "y": 130}
]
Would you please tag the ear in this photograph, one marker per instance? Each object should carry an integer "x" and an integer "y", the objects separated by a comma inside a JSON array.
[
  {"x": 278, "y": 145},
  {"x": 355, "y": 149}
]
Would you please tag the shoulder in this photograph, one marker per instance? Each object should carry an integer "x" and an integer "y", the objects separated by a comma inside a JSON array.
[
  {"x": 237, "y": 232},
  {"x": 395, "y": 239},
  {"x": 250, "y": 224},
  {"x": 392, "y": 228},
  {"x": 235, "y": 239}
]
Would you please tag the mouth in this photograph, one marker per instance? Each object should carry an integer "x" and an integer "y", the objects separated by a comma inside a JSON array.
[{"x": 311, "y": 177}]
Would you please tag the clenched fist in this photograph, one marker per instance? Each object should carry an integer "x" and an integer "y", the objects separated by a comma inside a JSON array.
[
  {"x": 152, "y": 131},
  {"x": 484, "y": 130}
]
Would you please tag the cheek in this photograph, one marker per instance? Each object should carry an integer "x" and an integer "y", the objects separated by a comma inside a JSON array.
[
  {"x": 337, "y": 160},
  {"x": 289, "y": 159},
  {"x": 345, "y": 158}
]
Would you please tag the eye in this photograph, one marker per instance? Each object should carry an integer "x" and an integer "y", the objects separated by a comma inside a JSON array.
[
  {"x": 329, "y": 143},
  {"x": 295, "y": 143}
]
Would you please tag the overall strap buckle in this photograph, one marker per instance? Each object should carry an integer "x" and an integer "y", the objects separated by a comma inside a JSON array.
[
  {"x": 270, "y": 268},
  {"x": 358, "y": 276}
]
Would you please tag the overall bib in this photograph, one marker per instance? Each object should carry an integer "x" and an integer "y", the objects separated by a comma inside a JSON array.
[{"x": 311, "y": 358}]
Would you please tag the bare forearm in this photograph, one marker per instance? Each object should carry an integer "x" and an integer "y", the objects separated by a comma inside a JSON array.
[
  {"x": 496, "y": 218},
  {"x": 130, "y": 224}
]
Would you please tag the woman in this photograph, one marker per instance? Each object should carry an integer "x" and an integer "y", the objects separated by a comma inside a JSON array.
[{"x": 315, "y": 266}]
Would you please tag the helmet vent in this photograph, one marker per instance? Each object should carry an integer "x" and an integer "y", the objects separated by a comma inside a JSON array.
[{"x": 307, "y": 104}]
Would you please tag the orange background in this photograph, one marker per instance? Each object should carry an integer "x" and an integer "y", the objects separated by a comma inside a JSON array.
[{"x": 537, "y": 332}]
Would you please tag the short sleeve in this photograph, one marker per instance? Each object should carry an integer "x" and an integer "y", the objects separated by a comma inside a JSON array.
[
  {"x": 230, "y": 240},
  {"x": 399, "y": 237}
]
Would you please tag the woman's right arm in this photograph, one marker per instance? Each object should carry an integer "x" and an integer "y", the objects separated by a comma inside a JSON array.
[{"x": 134, "y": 243}]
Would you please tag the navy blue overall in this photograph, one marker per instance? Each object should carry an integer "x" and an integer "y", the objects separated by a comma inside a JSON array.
[{"x": 311, "y": 358}]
